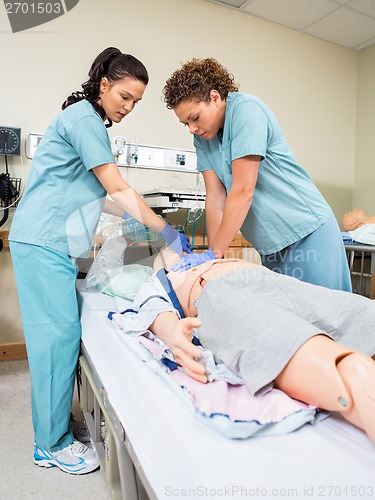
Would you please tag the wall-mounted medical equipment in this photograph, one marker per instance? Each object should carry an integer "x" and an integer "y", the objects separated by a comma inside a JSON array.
[
  {"x": 118, "y": 146},
  {"x": 10, "y": 145},
  {"x": 10, "y": 141},
  {"x": 140, "y": 156},
  {"x": 32, "y": 142}
]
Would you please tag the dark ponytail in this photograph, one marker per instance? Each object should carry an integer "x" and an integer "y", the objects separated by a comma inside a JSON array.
[{"x": 114, "y": 65}]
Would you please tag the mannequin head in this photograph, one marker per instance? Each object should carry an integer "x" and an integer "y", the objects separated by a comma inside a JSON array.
[{"x": 353, "y": 219}]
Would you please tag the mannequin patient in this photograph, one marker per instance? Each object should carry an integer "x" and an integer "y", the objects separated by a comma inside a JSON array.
[
  {"x": 272, "y": 330},
  {"x": 355, "y": 219}
]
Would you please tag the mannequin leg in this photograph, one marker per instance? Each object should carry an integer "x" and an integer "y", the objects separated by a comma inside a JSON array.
[
  {"x": 335, "y": 378},
  {"x": 311, "y": 375},
  {"x": 358, "y": 372}
]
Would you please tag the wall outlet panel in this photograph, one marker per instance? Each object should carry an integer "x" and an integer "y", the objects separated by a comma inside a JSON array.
[
  {"x": 32, "y": 142},
  {"x": 158, "y": 158},
  {"x": 179, "y": 159}
]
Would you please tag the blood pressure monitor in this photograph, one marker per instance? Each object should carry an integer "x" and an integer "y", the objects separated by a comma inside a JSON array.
[{"x": 10, "y": 141}]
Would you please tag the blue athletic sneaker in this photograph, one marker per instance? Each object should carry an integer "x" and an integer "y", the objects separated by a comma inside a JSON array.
[{"x": 74, "y": 459}]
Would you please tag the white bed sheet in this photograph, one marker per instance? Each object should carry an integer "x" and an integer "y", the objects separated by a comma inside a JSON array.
[{"x": 182, "y": 457}]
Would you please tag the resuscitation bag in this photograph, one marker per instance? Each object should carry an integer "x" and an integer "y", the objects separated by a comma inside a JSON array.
[{"x": 109, "y": 272}]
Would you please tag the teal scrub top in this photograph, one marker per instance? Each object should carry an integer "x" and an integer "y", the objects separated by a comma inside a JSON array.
[
  {"x": 286, "y": 206},
  {"x": 62, "y": 202}
]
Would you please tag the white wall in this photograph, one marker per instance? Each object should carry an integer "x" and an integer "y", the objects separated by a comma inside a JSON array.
[{"x": 310, "y": 84}]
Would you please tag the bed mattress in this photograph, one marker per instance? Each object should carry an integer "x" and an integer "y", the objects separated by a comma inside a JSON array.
[{"x": 183, "y": 457}]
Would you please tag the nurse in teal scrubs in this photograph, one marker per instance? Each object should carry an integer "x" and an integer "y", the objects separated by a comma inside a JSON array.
[
  {"x": 253, "y": 182},
  {"x": 72, "y": 172}
]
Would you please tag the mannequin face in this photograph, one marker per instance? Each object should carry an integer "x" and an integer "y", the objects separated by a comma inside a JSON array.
[
  {"x": 353, "y": 219},
  {"x": 203, "y": 118}
]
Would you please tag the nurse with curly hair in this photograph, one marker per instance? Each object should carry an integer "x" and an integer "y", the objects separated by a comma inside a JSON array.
[{"x": 253, "y": 182}]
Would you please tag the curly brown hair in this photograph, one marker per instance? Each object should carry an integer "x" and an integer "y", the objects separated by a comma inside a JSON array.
[{"x": 195, "y": 80}]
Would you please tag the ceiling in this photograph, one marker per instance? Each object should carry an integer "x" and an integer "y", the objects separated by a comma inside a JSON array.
[{"x": 350, "y": 23}]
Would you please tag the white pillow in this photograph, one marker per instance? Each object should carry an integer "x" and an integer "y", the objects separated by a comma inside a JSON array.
[{"x": 364, "y": 234}]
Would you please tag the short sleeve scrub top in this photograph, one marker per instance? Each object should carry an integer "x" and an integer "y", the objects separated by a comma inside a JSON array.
[
  {"x": 289, "y": 222},
  {"x": 54, "y": 223}
]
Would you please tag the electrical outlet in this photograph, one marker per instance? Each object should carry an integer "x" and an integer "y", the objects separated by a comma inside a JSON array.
[{"x": 32, "y": 142}]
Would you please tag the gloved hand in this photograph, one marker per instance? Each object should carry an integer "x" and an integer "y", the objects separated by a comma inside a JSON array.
[
  {"x": 178, "y": 241},
  {"x": 194, "y": 259}
]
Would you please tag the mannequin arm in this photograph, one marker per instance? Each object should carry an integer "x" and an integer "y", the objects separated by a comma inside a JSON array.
[{"x": 177, "y": 334}]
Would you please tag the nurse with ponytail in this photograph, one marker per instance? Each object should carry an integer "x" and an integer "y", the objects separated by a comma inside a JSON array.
[{"x": 72, "y": 172}]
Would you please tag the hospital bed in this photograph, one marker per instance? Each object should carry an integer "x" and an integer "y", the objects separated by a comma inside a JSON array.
[
  {"x": 361, "y": 260},
  {"x": 140, "y": 427}
]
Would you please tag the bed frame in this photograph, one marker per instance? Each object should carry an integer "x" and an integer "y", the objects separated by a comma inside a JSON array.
[
  {"x": 361, "y": 260},
  {"x": 118, "y": 462}
]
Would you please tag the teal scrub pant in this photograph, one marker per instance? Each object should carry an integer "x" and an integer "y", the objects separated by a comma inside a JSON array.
[
  {"x": 46, "y": 282},
  {"x": 319, "y": 258}
]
